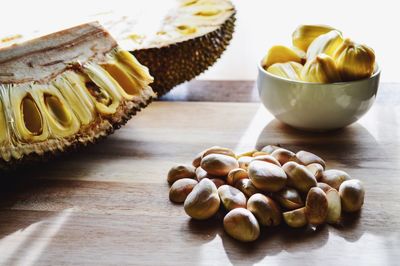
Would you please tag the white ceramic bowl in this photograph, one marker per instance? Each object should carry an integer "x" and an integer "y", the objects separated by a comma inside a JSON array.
[{"x": 315, "y": 106}]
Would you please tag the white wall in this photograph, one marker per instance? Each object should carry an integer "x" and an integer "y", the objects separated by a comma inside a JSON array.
[{"x": 261, "y": 23}]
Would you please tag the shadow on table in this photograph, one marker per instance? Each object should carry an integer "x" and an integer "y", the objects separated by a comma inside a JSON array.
[
  {"x": 32, "y": 211},
  {"x": 273, "y": 241},
  {"x": 348, "y": 146}
]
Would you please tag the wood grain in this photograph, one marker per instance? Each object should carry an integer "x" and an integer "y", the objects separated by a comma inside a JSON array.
[
  {"x": 108, "y": 204},
  {"x": 246, "y": 91}
]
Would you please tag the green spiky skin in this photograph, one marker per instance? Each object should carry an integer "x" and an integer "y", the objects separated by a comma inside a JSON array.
[{"x": 174, "y": 64}]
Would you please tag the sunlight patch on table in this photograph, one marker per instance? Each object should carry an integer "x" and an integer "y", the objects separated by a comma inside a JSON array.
[
  {"x": 29, "y": 243},
  {"x": 248, "y": 140}
]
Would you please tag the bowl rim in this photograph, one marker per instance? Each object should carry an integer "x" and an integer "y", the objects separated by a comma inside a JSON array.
[{"x": 376, "y": 73}]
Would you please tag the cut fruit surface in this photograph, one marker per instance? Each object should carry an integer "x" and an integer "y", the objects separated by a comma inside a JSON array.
[
  {"x": 55, "y": 92},
  {"x": 192, "y": 37}
]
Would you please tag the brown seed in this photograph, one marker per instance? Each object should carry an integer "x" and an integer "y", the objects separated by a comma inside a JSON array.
[
  {"x": 334, "y": 178},
  {"x": 270, "y": 149},
  {"x": 203, "y": 202},
  {"x": 289, "y": 198},
  {"x": 244, "y": 162},
  {"x": 352, "y": 195},
  {"x": 316, "y": 206},
  {"x": 334, "y": 206},
  {"x": 231, "y": 197},
  {"x": 267, "y": 176},
  {"x": 201, "y": 173},
  {"x": 218, "y": 164},
  {"x": 316, "y": 169},
  {"x": 215, "y": 149},
  {"x": 180, "y": 171},
  {"x": 247, "y": 153},
  {"x": 259, "y": 153},
  {"x": 299, "y": 177},
  {"x": 267, "y": 158},
  {"x": 242, "y": 225},
  {"x": 264, "y": 209},
  {"x": 306, "y": 158},
  {"x": 197, "y": 160},
  {"x": 218, "y": 182},
  {"x": 180, "y": 189},
  {"x": 247, "y": 187},
  {"x": 219, "y": 150},
  {"x": 323, "y": 186},
  {"x": 236, "y": 174},
  {"x": 295, "y": 218},
  {"x": 283, "y": 156}
]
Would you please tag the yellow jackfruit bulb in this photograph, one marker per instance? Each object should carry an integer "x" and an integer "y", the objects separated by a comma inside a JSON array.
[
  {"x": 303, "y": 36},
  {"x": 325, "y": 44},
  {"x": 354, "y": 61},
  {"x": 301, "y": 54},
  {"x": 321, "y": 69},
  {"x": 280, "y": 54},
  {"x": 289, "y": 70}
]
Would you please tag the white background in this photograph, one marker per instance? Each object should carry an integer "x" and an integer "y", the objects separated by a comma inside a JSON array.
[{"x": 260, "y": 24}]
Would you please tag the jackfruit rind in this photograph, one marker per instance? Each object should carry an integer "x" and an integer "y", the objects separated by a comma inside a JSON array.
[
  {"x": 176, "y": 63},
  {"x": 58, "y": 92}
]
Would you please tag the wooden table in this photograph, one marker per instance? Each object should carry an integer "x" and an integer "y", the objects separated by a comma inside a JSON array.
[{"x": 108, "y": 204}]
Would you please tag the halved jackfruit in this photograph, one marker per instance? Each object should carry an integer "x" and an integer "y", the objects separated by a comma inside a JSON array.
[
  {"x": 176, "y": 39},
  {"x": 190, "y": 38},
  {"x": 66, "y": 89}
]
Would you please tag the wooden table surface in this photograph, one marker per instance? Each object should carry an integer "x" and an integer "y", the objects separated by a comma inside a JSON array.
[{"x": 108, "y": 204}]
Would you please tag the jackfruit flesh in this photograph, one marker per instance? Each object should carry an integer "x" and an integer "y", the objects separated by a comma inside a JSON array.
[
  {"x": 280, "y": 54},
  {"x": 68, "y": 94},
  {"x": 289, "y": 70},
  {"x": 325, "y": 44},
  {"x": 354, "y": 61},
  {"x": 304, "y": 35},
  {"x": 321, "y": 55},
  {"x": 321, "y": 69}
]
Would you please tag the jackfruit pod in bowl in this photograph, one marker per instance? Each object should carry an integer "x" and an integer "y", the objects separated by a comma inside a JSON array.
[{"x": 315, "y": 106}]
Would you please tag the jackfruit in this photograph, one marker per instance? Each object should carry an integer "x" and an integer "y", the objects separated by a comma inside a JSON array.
[
  {"x": 64, "y": 90},
  {"x": 325, "y": 44},
  {"x": 304, "y": 35},
  {"x": 354, "y": 61},
  {"x": 320, "y": 69},
  {"x": 192, "y": 37},
  {"x": 280, "y": 54},
  {"x": 289, "y": 70},
  {"x": 178, "y": 40}
]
